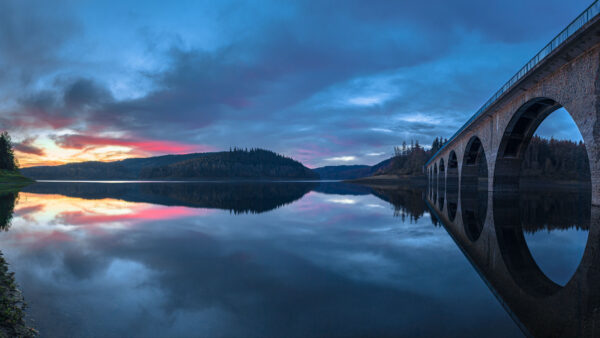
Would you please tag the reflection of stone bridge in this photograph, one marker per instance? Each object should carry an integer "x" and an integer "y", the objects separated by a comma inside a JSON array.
[
  {"x": 489, "y": 226},
  {"x": 566, "y": 73}
]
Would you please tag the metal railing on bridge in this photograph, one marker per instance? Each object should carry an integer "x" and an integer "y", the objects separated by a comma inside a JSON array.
[{"x": 585, "y": 17}]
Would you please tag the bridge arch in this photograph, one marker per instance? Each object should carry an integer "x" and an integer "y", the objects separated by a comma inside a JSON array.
[
  {"x": 474, "y": 164},
  {"x": 442, "y": 177},
  {"x": 473, "y": 203},
  {"x": 452, "y": 185},
  {"x": 442, "y": 183},
  {"x": 517, "y": 136},
  {"x": 435, "y": 181}
]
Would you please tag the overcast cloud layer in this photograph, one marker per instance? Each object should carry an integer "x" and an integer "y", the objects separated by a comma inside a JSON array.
[{"x": 325, "y": 82}]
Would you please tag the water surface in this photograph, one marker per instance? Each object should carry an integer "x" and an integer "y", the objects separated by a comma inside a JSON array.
[{"x": 243, "y": 259}]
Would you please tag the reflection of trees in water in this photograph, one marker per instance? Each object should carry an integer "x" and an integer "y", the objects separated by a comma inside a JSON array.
[
  {"x": 238, "y": 197},
  {"x": 553, "y": 210},
  {"x": 474, "y": 211},
  {"x": 7, "y": 207},
  {"x": 407, "y": 202},
  {"x": 434, "y": 220},
  {"x": 12, "y": 305},
  {"x": 342, "y": 188}
]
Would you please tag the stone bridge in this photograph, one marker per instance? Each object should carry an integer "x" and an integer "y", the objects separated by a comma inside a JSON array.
[{"x": 566, "y": 73}]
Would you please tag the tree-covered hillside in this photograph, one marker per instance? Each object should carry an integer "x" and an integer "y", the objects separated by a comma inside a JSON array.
[
  {"x": 244, "y": 164},
  {"x": 556, "y": 159},
  {"x": 233, "y": 164},
  {"x": 408, "y": 160}
]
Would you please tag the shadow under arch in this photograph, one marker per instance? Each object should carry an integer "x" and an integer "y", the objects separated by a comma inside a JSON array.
[
  {"x": 452, "y": 185},
  {"x": 442, "y": 183},
  {"x": 516, "y": 139},
  {"x": 435, "y": 182},
  {"x": 473, "y": 188}
]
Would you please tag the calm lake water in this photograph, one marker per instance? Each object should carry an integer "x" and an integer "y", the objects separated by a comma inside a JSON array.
[{"x": 278, "y": 259}]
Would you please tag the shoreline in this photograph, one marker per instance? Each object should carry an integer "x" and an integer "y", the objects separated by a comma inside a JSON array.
[{"x": 13, "y": 313}]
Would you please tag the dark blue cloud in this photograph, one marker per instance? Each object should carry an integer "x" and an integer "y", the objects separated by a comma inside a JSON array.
[{"x": 340, "y": 79}]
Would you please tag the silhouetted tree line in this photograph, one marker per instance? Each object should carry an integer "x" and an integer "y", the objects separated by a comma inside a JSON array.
[
  {"x": 237, "y": 163},
  {"x": 7, "y": 156},
  {"x": 554, "y": 210},
  {"x": 410, "y": 159},
  {"x": 556, "y": 159}
]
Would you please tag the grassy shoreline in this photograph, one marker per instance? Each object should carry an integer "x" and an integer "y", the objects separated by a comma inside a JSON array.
[{"x": 11, "y": 181}]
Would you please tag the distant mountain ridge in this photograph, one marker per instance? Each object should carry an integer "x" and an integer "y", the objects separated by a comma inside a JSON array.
[
  {"x": 233, "y": 164},
  {"x": 349, "y": 172},
  {"x": 343, "y": 172}
]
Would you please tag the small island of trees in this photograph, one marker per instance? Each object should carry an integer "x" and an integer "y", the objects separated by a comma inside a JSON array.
[{"x": 9, "y": 167}]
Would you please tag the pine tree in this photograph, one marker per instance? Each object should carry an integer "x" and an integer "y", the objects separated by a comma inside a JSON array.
[{"x": 7, "y": 157}]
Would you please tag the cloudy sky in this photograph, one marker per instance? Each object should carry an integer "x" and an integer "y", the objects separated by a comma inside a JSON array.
[{"x": 325, "y": 82}]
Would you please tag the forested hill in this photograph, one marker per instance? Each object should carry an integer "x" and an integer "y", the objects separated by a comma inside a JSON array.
[
  {"x": 556, "y": 159},
  {"x": 233, "y": 164}
]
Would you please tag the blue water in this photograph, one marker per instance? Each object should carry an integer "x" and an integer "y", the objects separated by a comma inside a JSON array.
[{"x": 298, "y": 259}]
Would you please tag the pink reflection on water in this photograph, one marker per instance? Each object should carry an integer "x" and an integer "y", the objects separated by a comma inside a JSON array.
[
  {"x": 145, "y": 214},
  {"x": 44, "y": 219}
]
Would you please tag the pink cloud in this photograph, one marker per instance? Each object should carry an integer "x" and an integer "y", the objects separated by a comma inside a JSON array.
[
  {"x": 27, "y": 147},
  {"x": 309, "y": 153},
  {"x": 79, "y": 141}
]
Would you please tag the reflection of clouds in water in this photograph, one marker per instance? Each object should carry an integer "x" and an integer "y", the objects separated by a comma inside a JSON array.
[
  {"x": 557, "y": 252},
  {"x": 375, "y": 206},
  {"x": 324, "y": 273},
  {"x": 342, "y": 200},
  {"x": 97, "y": 215}
]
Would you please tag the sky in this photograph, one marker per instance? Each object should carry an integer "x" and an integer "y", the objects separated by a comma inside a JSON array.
[{"x": 324, "y": 82}]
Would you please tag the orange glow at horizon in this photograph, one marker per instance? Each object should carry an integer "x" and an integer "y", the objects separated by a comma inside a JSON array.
[
  {"x": 75, "y": 148},
  {"x": 75, "y": 211}
]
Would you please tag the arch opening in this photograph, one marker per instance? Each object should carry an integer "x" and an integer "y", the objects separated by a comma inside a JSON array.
[
  {"x": 452, "y": 185},
  {"x": 435, "y": 182},
  {"x": 541, "y": 141},
  {"x": 474, "y": 173},
  {"x": 442, "y": 183}
]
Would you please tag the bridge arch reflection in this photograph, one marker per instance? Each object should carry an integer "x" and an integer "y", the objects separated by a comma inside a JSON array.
[{"x": 503, "y": 259}]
